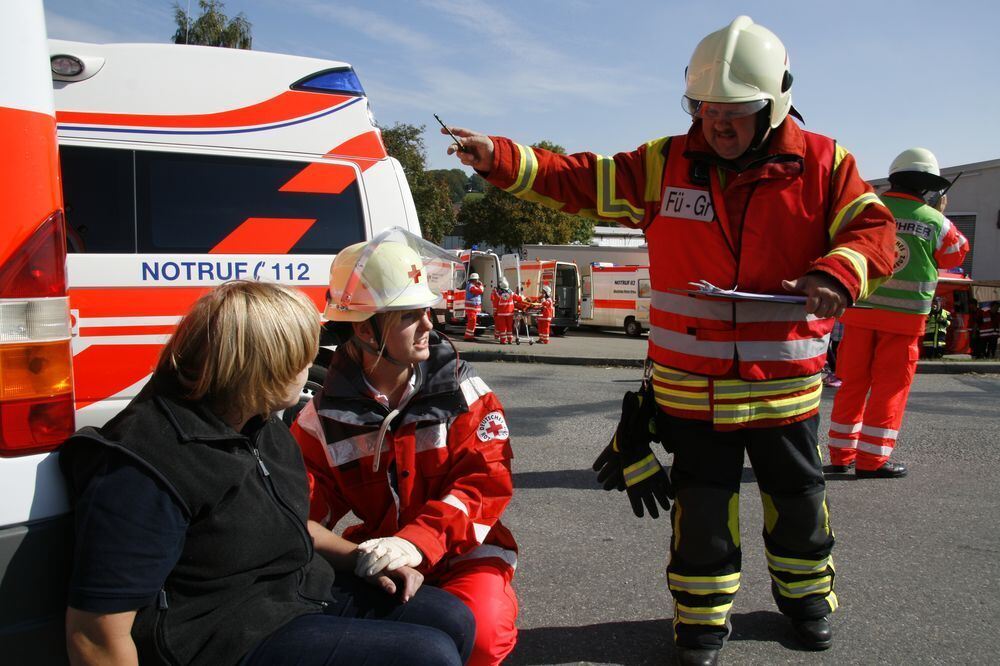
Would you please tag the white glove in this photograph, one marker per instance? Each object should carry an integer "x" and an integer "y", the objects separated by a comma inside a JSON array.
[{"x": 387, "y": 553}]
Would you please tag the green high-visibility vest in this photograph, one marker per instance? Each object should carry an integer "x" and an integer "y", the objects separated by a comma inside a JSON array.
[{"x": 915, "y": 273}]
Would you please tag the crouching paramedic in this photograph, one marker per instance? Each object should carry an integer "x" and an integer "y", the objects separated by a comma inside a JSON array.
[
  {"x": 410, "y": 439},
  {"x": 746, "y": 198}
]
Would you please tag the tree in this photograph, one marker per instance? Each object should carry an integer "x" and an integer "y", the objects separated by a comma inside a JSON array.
[
  {"x": 431, "y": 195},
  {"x": 213, "y": 27},
  {"x": 455, "y": 179},
  {"x": 500, "y": 219}
]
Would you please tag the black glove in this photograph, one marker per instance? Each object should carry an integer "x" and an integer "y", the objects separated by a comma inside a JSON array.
[{"x": 627, "y": 462}]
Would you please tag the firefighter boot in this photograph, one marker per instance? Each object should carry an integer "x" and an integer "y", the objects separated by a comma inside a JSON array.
[
  {"x": 697, "y": 656},
  {"x": 814, "y": 634},
  {"x": 888, "y": 470}
]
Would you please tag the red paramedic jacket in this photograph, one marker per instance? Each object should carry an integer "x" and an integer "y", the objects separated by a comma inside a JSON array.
[{"x": 443, "y": 477}]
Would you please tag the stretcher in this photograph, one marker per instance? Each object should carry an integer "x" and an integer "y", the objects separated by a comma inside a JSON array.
[{"x": 522, "y": 318}]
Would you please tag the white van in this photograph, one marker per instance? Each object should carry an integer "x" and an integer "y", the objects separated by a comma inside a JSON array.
[
  {"x": 186, "y": 166},
  {"x": 616, "y": 296}
]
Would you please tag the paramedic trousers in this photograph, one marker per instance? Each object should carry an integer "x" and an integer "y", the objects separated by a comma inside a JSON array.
[
  {"x": 503, "y": 326},
  {"x": 484, "y": 585},
  {"x": 544, "y": 324},
  {"x": 471, "y": 315},
  {"x": 863, "y": 428},
  {"x": 705, "y": 556}
]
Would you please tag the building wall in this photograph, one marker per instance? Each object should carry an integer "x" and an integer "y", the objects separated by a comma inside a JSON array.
[{"x": 974, "y": 206}]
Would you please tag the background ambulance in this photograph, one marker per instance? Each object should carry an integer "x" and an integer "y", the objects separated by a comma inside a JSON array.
[
  {"x": 616, "y": 296},
  {"x": 182, "y": 167}
]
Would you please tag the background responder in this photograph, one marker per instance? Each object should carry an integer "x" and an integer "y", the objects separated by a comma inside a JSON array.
[
  {"x": 881, "y": 342},
  {"x": 504, "y": 301},
  {"x": 935, "y": 339},
  {"x": 545, "y": 315},
  {"x": 192, "y": 541},
  {"x": 989, "y": 330},
  {"x": 412, "y": 441},
  {"x": 744, "y": 198},
  {"x": 473, "y": 305}
]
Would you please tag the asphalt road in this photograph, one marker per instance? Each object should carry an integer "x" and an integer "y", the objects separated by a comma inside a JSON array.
[{"x": 918, "y": 572}]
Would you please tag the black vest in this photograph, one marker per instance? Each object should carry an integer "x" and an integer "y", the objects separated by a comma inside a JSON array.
[{"x": 247, "y": 566}]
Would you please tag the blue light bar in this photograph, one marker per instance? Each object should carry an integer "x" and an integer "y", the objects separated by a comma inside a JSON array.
[{"x": 341, "y": 80}]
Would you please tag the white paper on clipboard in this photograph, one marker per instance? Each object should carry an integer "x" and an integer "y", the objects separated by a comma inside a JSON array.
[{"x": 706, "y": 288}]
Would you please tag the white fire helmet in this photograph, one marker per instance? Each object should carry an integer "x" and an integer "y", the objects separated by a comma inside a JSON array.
[
  {"x": 502, "y": 282},
  {"x": 473, "y": 277},
  {"x": 743, "y": 63},
  {"x": 923, "y": 165},
  {"x": 389, "y": 272},
  {"x": 546, "y": 290}
]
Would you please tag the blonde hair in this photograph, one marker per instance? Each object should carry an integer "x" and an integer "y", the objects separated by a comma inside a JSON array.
[
  {"x": 241, "y": 344},
  {"x": 386, "y": 320}
]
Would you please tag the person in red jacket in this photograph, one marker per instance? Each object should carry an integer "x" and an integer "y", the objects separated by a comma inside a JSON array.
[
  {"x": 745, "y": 199},
  {"x": 412, "y": 441},
  {"x": 473, "y": 305},
  {"x": 544, "y": 318},
  {"x": 504, "y": 301}
]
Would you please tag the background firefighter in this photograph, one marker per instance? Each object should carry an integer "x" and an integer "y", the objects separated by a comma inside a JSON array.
[
  {"x": 473, "y": 305},
  {"x": 745, "y": 198},
  {"x": 504, "y": 301},
  {"x": 882, "y": 341},
  {"x": 545, "y": 315}
]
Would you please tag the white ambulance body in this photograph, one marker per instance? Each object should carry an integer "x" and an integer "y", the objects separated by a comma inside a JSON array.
[
  {"x": 562, "y": 277},
  {"x": 487, "y": 265},
  {"x": 186, "y": 166},
  {"x": 616, "y": 296}
]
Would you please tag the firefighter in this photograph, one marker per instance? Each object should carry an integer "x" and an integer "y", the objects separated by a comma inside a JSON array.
[
  {"x": 544, "y": 318},
  {"x": 410, "y": 440},
  {"x": 504, "y": 301},
  {"x": 882, "y": 341},
  {"x": 473, "y": 304},
  {"x": 745, "y": 198}
]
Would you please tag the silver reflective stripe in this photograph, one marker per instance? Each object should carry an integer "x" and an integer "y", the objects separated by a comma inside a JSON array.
[
  {"x": 919, "y": 306},
  {"x": 874, "y": 449},
  {"x": 431, "y": 437},
  {"x": 689, "y": 344},
  {"x": 690, "y": 306},
  {"x": 489, "y": 550},
  {"x": 837, "y": 443},
  {"x": 790, "y": 564},
  {"x": 884, "y": 433},
  {"x": 689, "y": 399},
  {"x": 606, "y": 207},
  {"x": 787, "y": 590},
  {"x": 909, "y": 285},
  {"x": 787, "y": 350},
  {"x": 767, "y": 409},
  {"x": 352, "y": 448},
  {"x": 695, "y": 618},
  {"x": 530, "y": 164},
  {"x": 844, "y": 427},
  {"x": 761, "y": 389},
  {"x": 946, "y": 226},
  {"x": 705, "y": 587},
  {"x": 643, "y": 468},
  {"x": 474, "y": 388},
  {"x": 762, "y": 312}
]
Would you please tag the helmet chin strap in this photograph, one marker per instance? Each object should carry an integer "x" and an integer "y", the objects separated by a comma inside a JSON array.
[
  {"x": 377, "y": 350},
  {"x": 761, "y": 132}
]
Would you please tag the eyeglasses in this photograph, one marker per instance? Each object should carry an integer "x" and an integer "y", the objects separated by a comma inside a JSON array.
[{"x": 721, "y": 110}]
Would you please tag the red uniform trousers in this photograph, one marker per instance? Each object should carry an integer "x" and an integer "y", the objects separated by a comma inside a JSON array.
[
  {"x": 471, "y": 314},
  {"x": 863, "y": 428},
  {"x": 544, "y": 324},
  {"x": 504, "y": 325},
  {"x": 484, "y": 586}
]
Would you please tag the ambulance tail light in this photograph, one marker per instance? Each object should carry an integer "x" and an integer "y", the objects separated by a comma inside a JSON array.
[{"x": 36, "y": 379}]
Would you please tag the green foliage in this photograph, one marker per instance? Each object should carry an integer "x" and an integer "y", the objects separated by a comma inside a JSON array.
[
  {"x": 455, "y": 179},
  {"x": 213, "y": 27},
  {"x": 499, "y": 219},
  {"x": 431, "y": 195}
]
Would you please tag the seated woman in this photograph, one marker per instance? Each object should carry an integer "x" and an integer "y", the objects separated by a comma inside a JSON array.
[
  {"x": 192, "y": 545},
  {"x": 412, "y": 441}
]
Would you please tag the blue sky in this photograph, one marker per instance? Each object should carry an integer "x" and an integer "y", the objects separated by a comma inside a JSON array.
[{"x": 879, "y": 76}]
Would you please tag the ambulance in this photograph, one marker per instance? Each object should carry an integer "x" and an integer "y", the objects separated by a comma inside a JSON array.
[
  {"x": 562, "y": 277},
  {"x": 186, "y": 166},
  {"x": 488, "y": 266},
  {"x": 616, "y": 296}
]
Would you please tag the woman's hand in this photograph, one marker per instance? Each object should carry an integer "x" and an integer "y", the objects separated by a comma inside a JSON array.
[{"x": 404, "y": 581}]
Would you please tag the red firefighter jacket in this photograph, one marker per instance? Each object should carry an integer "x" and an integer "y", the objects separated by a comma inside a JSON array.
[{"x": 443, "y": 476}]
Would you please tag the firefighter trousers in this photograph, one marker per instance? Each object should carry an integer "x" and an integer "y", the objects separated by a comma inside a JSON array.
[
  {"x": 863, "y": 427},
  {"x": 705, "y": 555}
]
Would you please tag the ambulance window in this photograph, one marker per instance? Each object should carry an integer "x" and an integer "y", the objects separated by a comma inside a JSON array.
[
  {"x": 98, "y": 195},
  {"x": 644, "y": 289},
  {"x": 190, "y": 203}
]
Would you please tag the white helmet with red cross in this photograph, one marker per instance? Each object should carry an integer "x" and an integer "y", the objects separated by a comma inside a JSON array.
[
  {"x": 743, "y": 63},
  {"x": 389, "y": 272}
]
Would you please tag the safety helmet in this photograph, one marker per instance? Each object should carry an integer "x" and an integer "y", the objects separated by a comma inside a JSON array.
[
  {"x": 502, "y": 282},
  {"x": 741, "y": 63},
  {"x": 917, "y": 169},
  {"x": 389, "y": 272},
  {"x": 547, "y": 290},
  {"x": 473, "y": 276}
]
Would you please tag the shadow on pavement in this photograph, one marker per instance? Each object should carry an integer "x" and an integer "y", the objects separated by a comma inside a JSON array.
[
  {"x": 581, "y": 479},
  {"x": 628, "y": 643},
  {"x": 770, "y": 626}
]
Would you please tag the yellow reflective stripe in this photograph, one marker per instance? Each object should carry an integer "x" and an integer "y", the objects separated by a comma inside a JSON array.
[
  {"x": 723, "y": 389},
  {"x": 832, "y": 601},
  {"x": 527, "y": 169},
  {"x": 803, "y": 588},
  {"x": 859, "y": 263},
  {"x": 727, "y": 584},
  {"x": 711, "y": 615},
  {"x": 839, "y": 154},
  {"x": 794, "y": 565},
  {"x": 826, "y": 514},
  {"x": 607, "y": 204},
  {"x": 734, "y": 519},
  {"x": 682, "y": 405},
  {"x": 641, "y": 470},
  {"x": 678, "y": 510},
  {"x": 655, "y": 164},
  {"x": 770, "y": 409},
  {"x": 770, "y": 512},
  {"x": 846, "y": 214}
]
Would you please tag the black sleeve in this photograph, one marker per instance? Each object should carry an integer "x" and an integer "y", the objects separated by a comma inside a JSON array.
[{"x": 129, "y": 536}]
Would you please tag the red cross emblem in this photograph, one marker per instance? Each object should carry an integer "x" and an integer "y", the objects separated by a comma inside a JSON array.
[
  {"x": 414, "y": 273},
  {"x": 527, "y": 284},
  {"x": 494, "y": 428}
]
